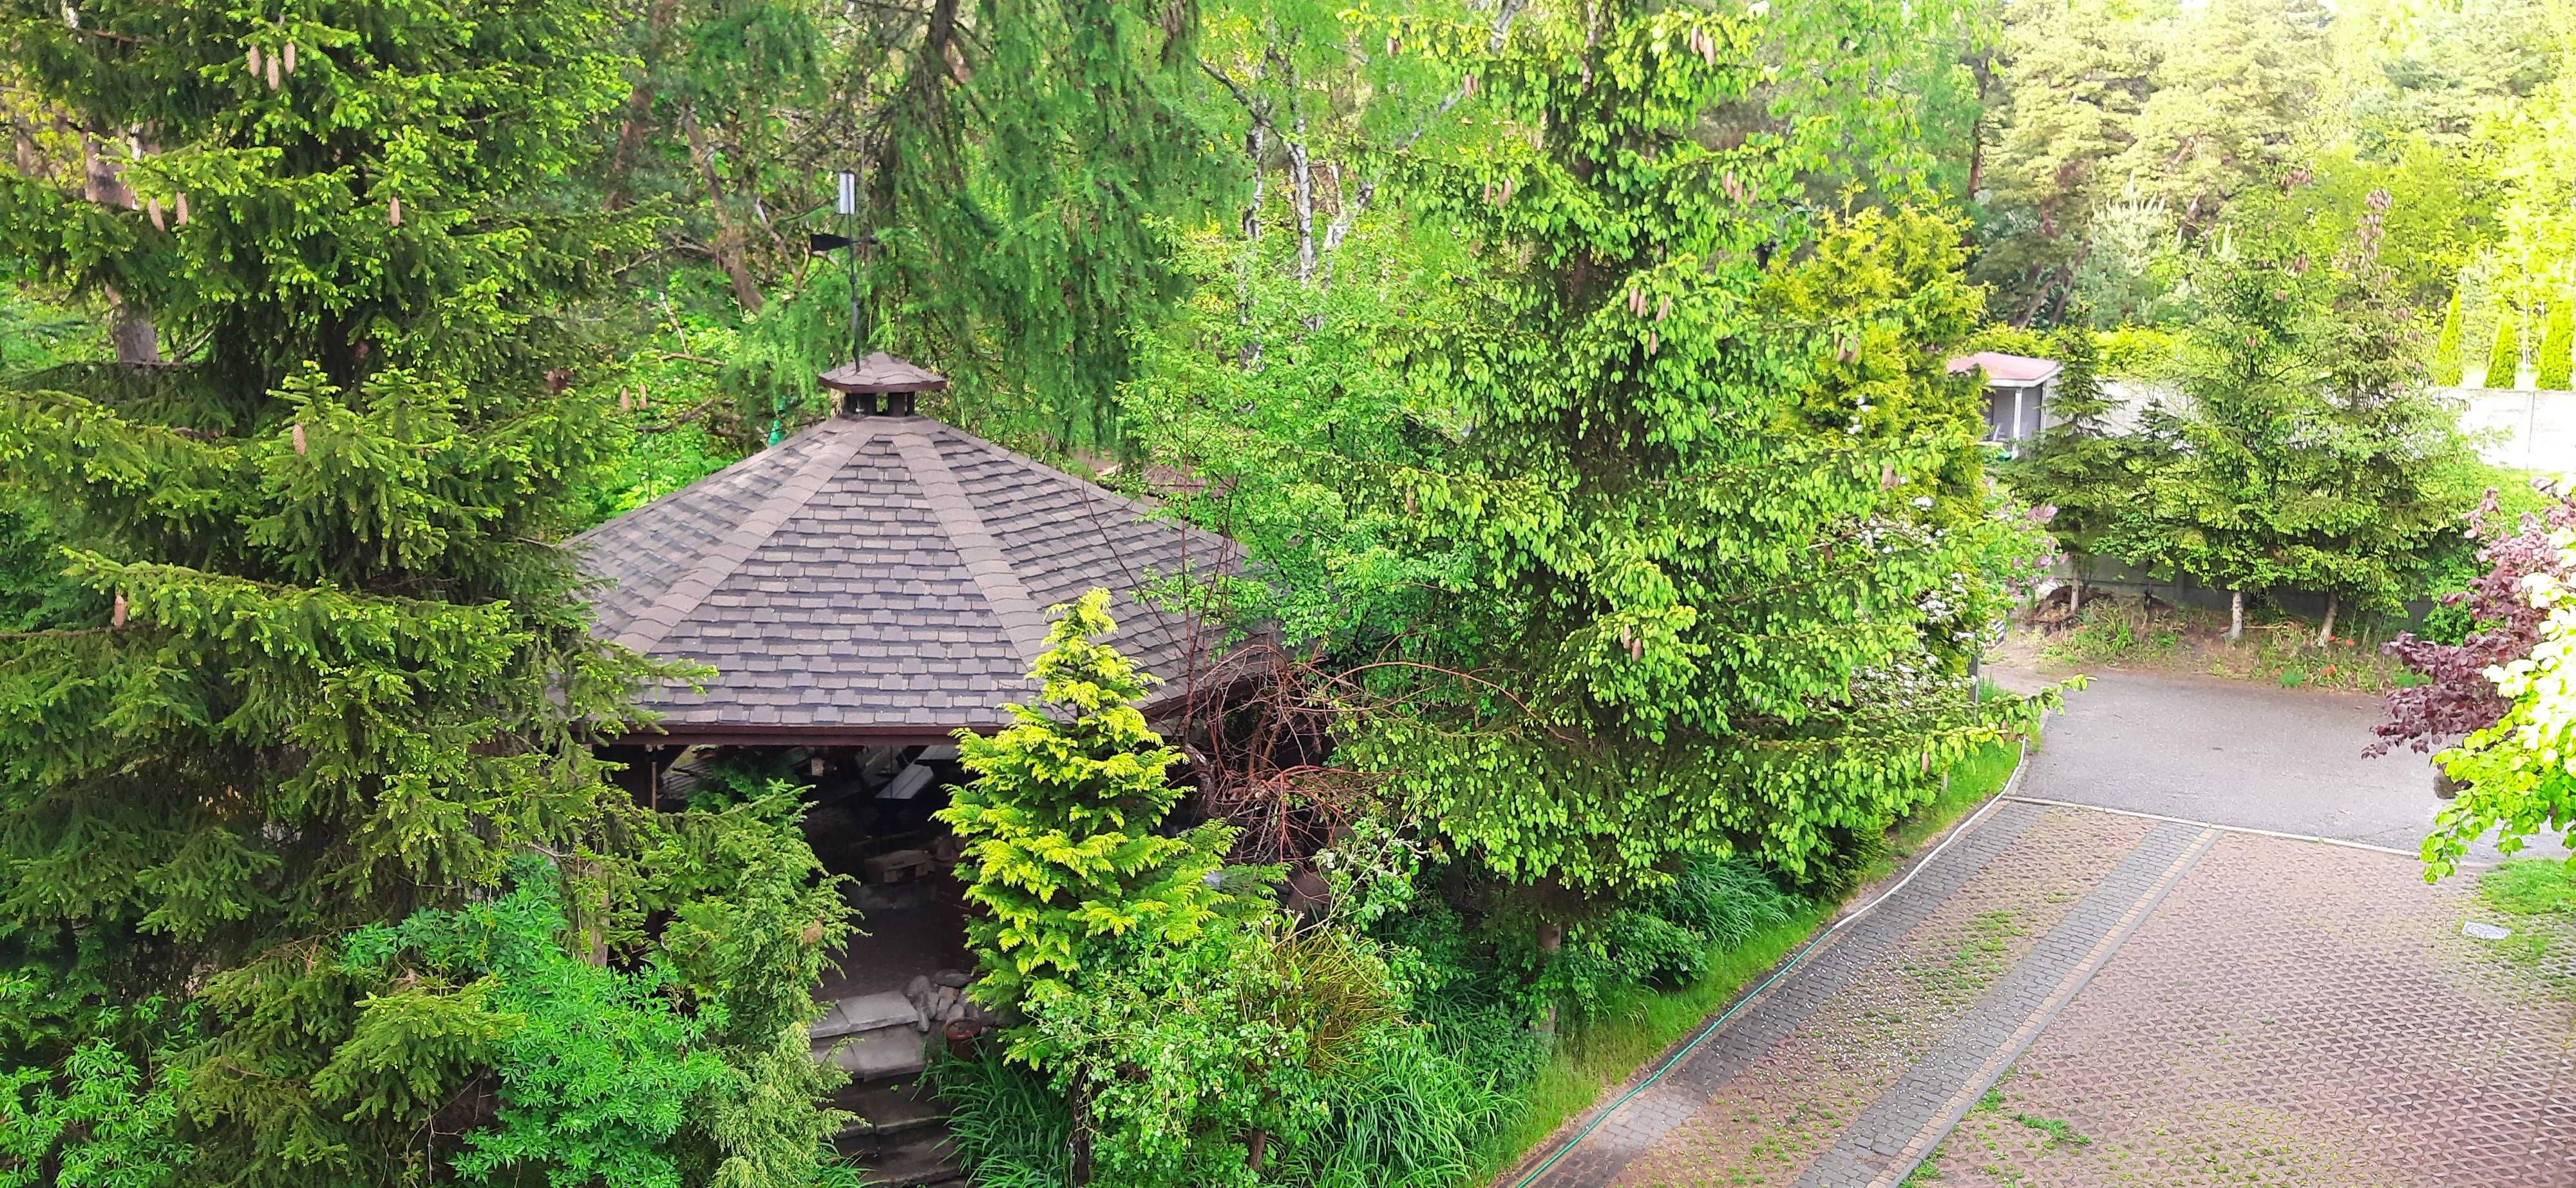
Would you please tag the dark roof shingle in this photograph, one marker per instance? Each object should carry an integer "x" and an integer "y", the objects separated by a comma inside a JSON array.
[{"x": 876, "y": 576}]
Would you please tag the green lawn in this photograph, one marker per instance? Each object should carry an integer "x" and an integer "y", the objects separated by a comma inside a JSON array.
[
  {"x": 1603, "y": 1053},
  {"x": 1591, "y": 1058},
  {"x": 1977, "y": 777},
  {"x": 2538, "y": 895}
]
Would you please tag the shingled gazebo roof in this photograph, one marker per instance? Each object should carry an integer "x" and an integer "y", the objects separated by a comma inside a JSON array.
[{"x": 879, "y": 579}]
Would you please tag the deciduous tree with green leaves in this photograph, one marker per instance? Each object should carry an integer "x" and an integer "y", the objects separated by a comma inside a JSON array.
[{"x": 338, "y": 672}]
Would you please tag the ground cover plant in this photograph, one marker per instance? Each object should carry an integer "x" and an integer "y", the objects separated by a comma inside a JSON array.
[
  {"x": 2536, "y": 899},
  {"x": 2116, "y": 631}
]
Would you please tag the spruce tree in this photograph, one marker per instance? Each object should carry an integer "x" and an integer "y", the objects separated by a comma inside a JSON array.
[
  {"x": 2557, "y": 352},
  {"x": 338, "y": 673},
  {"x": 1710, "y": 529},
  {"x": 2310, "y": 455},
  {"x": 1059, "y": 822},
  {"x": 2504, "y": 358},
  {"x": 2448, "y": 368},
  {"x": 2204, "y": 508},
  {"x": 2080, "y": 466}
]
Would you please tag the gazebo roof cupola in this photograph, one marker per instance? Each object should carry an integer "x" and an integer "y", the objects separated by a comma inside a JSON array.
[{"x": 861, "y": 382}]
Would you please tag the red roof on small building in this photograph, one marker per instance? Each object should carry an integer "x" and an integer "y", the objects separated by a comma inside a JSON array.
[{"x": 2017, "y": 371}]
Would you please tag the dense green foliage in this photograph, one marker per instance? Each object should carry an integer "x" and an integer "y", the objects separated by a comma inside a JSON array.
[
  {"x": 1173, "y": 1034},
  {"x": 596, "y": 1068},
  {"x": 327, "y": 672},
  {"x": 1021, "y": 165},
  {"x": 2087, "y": 473},
  {"x": 2504, "y": 355},
  {"x": 2556, "y": 358},
  {"x": 2515, "y": 775},
  {"x": 2448, "y": 369},
  {"x": 1652, "y": 518},
  {"x": 2310, "y": 455},
  {"x": 2117, "y": 139},
  {"x": 1573, "y": 376},
  {"x": 1194, "y": 1037}
]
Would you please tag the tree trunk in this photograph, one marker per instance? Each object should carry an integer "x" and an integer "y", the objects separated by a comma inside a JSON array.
[
  {"x": 1301, "y": 195},
  {"x": 130, "y": 328},
  {"x": 1081, "y": 1137},
  {"x": 31, "y": 161},
  {"x": 639, "y": 103},
  {"x": 2075, "y": 595},
  {"x": 1983, "y": 70},
  {"x": 2325, "y": 630},
  {"x": 731, "y": 238},
  {"x": 129, "y": 323},
  {"x": 2038, "y": 298},
  {"x": 1256, "y": 145},
  {"x": 103, "y": 176},
  {"x": 2235, "y": 615}
]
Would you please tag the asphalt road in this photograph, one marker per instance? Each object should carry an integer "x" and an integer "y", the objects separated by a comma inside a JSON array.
[{"x": 2237, "y": 753}]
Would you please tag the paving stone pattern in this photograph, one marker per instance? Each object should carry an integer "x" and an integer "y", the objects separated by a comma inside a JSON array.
[
  {"x": 1766, "y": 1124},
  {"x": 1643, "y": 1121},
  {"x": 1898, "y": 1131},
  {"x": 2295, "y": 1014},
  {"x": 2077, "y": 998}
]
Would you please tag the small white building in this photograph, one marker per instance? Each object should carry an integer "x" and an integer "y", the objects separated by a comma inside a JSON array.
[{"x": 2017, "y": 388}]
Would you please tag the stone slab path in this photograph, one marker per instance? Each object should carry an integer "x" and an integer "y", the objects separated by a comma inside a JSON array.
[{"x": 2071, "y": 995}]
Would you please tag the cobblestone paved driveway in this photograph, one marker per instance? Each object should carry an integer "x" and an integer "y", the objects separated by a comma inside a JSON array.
[{"x": 2076, "y": 996}]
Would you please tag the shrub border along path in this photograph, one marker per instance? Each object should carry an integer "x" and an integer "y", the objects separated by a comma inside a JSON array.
[{"x": 1588, "y": 1059}]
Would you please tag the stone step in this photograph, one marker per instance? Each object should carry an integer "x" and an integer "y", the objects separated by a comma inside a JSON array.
[
  {"x": 866, "y": 1012},
  {"x": 881, "y": 1052},
  {"x": 887, "y": 1109},
  {"x": 924, "y": 1161}
]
